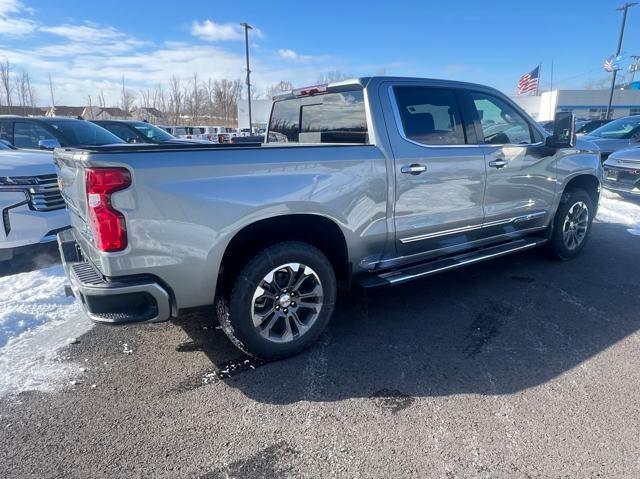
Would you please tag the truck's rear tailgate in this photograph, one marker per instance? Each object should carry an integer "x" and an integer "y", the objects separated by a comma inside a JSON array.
[{"x": 71, "y": 174}]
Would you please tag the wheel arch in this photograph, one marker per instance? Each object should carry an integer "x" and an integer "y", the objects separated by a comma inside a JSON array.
[
  {"x": 586, "y": 182},
  {"x": 317, "y": 230}
]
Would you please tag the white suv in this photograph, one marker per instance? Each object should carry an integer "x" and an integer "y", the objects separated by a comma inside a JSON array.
[{"x": 32, "y": 210}]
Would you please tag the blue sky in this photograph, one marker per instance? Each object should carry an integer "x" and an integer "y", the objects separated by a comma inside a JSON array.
[{"x": 88, "y": 45}]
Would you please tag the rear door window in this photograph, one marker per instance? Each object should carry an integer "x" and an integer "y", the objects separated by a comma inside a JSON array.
[
  {"x": 329, "y": 118},
  {"x": 430, "y": 116},
  {"x": 27, "y": 135}
]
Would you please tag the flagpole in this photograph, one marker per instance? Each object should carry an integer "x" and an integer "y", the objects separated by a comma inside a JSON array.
[{"x": 539, "y": 78}]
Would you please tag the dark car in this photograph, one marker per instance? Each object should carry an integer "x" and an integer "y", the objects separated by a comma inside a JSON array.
[
  {"x": 47, "y": 133},
  {"x": 588, "y": 126},
  {"x": 139, "y": 132}
]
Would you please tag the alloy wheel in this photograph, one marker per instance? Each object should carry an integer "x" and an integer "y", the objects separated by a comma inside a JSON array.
[{"x": 287, "y": 302}]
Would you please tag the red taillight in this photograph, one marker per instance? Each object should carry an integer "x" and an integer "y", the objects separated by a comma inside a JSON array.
[
  {"x": 107, "y": 223},
  {"x": 311, "y": 90}
]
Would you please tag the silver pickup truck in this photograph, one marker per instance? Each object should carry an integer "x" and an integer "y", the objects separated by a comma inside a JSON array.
[{"x": 370, "y": 182}]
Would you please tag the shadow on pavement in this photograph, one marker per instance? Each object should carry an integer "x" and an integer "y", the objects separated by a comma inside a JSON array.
[
  {"x": 495, "y": 328},
  {"x": 31, "y": 258}
]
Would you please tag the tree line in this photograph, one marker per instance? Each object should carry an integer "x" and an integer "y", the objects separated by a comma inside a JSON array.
[
  {"x": 16, "y": 87},
  {"x": 180, "y": 100}
]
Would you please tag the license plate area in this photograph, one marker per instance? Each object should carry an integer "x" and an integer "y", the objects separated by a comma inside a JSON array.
[{"x": 612, "y": 175}]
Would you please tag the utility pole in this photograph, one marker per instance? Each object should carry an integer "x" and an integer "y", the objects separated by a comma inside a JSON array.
[
  {"x": 624, "y": 9},
  {"x": 248, "y": 27}
]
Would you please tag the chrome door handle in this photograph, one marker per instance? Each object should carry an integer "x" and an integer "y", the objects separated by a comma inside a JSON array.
[
  {"x": 498, "y": 164},
  {"x": 414, "y": 169}
]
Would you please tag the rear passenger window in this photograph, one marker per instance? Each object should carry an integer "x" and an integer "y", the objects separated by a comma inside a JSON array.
[
  {"x": 430, "y": 116},
  {"x": 329, "y": 118}
]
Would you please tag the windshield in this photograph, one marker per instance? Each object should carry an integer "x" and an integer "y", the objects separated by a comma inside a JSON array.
[
  {"x": 153, "y": 132},
  {"x": 80, "y": 132},
  {"x": 620, "y": 129}
]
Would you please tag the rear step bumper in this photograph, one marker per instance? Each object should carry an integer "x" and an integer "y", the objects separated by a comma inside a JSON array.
[
  {"x": 109, "y": 300},
  {"x": 402, "y": 275}
]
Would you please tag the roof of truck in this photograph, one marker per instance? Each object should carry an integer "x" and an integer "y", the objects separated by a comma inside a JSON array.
[{"x": 364, "y": 82}]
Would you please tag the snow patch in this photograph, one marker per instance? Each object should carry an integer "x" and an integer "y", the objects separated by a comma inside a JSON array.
[
  {"x": 36, "y": 320},
  {"x": 614, "y": 209}
]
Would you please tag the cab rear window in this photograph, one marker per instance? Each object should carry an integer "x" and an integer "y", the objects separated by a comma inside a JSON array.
[{"x": 328, "y": 118}]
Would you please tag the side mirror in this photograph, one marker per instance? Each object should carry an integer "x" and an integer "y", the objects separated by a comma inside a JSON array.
[
  {"x": 48, "y": 144},
  {"x": 564, "y": 131}
]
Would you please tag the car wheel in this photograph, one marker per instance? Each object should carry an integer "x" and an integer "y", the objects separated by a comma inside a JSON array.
[
  {"x": 571, "y": 225},
  {"x": 281, "y": 301}
]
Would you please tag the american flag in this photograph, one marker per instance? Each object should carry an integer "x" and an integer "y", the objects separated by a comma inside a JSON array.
[
  {"x": 612, "y": 63},
  {"x": 529, "y": 81}
]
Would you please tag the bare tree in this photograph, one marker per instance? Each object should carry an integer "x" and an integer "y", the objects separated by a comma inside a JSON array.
[
  {"x": 25, "y": 91},
  {"x": 7, "y": 83},
  {"x": 102, "y": 102},
  {"x": 90, "y": 107},
  {"x": 196, "y": 98},
  {"x": 126, "y": 97},
  {"x": 146, "y": 98},
  {"x": 226, "y": 94},
  {"x": 159, "y": 99},
  {"x": 53, "y": 101},
  {"x": 280, "y": 87},
  {"x": 175, "y": 98},
  {"x": 333, "y": 76}
]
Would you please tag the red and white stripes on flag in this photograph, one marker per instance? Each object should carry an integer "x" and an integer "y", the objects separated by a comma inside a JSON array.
[{"x": 529, "y": 81}]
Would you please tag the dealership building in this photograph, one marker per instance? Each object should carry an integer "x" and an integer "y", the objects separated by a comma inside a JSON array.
[{"x": 591, "y": 104}]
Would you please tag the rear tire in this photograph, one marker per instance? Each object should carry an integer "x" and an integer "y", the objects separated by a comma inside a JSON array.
[
  {"x": 571, "y": 225},
  {"x": 280, "y": 302}
]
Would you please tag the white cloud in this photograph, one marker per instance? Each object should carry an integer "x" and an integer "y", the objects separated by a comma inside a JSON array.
[
  {"x": 88, "y": 32},
  {"x": 12, "y": 19},
  {"x": 287, "y": 53},
  {"x": 213, "y": 32}
]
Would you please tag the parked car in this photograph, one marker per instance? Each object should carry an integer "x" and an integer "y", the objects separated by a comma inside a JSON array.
[
  {"x": 622, "y": 172},
  {"x": 31, "y": 206},
  {"x": 247, "y": 139},
  {"x": 587, "y": 126},
  {"x": 381, "y": 181},
  {"x": 44, "y": 133},
  {"x": 138, "y": 132},
  {"x": 616, "y": 135}
]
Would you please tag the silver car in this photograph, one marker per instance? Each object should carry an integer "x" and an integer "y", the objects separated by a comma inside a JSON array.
[
  {"x": 622, "y": 172},
  {"x": 616, "y": 135}
]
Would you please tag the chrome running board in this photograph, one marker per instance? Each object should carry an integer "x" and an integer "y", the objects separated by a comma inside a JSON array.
[{"x": 416, "y": 271}]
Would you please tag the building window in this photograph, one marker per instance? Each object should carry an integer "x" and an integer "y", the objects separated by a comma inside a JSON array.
[{"x": 598, "y": 113}]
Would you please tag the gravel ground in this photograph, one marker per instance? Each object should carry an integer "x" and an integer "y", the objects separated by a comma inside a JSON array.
[{"x": 517, "y": 368}]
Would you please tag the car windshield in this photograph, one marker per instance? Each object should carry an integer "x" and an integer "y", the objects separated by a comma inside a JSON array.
[
  {"x": 153, "y": 132},
  {"x": 619, "y": 129},
  {"x": 80, "y": 132}
]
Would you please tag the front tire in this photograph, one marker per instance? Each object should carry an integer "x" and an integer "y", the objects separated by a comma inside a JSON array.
[
  {"x": 571, "y": 225},
  {"x": 281, "y": 301}
]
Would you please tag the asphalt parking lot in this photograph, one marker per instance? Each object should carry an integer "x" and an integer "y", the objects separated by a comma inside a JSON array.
[{"x": 516, "y": 368}]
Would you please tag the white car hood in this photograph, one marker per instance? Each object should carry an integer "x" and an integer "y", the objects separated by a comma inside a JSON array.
[{"x": 26, "y": 163}]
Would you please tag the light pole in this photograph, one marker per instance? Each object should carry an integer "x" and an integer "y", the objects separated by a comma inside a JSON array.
[
  {"x": 624, "y": 9},
  {"x": 248, "y": 27}
]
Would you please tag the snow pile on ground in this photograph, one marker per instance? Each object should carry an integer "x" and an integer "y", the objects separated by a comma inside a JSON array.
[
  {"x": 36, "y": 320},
  {"x": 614, "y": 209}
]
